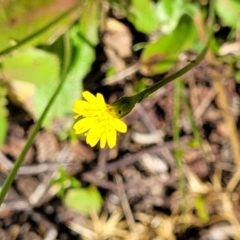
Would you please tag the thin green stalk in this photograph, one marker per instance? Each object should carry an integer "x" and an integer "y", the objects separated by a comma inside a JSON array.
[
  {"x": 10, "y": 178},
  {"x": 41, "y": 31},
  {"x": 176, "y": 135},
  {"x": 195, "y": 131},
  {"x": 191, "y": 65},
  {"x": 176, "y": 118},
  {"x": 125, "y": 104},
  {"x": 67, "y": 54}
]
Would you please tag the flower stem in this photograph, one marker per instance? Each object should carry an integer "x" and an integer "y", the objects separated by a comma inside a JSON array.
[
  {"x": 191, "y": 65},
  {"x": 126, "y": 104},
  {"x": 10, "y": 178}
]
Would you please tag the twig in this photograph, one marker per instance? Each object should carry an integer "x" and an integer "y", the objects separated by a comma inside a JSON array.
[
  {"x": 130, "y": 159},
  {"x": 51, "y": 234},
  {"x": 92, "y": 178},
  {"x": 233, "y": 181},
  {"x": 17, "y": 205},
  {"x": 43, "y": 187},
  {"x": 6, "y": 166},
  {"x": 121, "y": 75},
  {"x": 127, "y": 160},
  {"x": 204, "y": 104},
  {"x": 126, "y": 207},
  {"x": 146, "y": 119}
]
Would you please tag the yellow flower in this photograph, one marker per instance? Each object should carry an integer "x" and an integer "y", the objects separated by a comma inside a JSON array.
[{"x": 98, "y": 120}]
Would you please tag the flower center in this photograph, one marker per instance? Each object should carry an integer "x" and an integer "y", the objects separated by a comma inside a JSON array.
[{"x": 111, "y": 110}]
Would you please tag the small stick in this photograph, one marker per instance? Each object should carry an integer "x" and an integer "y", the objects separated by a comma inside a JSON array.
[{"x": 126, "y": 207}]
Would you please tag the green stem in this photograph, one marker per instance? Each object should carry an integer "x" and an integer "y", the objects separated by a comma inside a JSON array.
[
  {"x": 191, "y": 65},
  {"x": 10, "y": 178},
  {"x": 125, "y": 104},
  {"x": 195, "y": 131},
  {"x": 41, "y": 31},
  {"x": 176, "y": 119},
  {"x": 176, "y": 137}
]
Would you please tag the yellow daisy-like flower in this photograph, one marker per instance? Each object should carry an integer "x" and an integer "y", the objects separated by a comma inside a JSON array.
[{"x": 98, "y": 120}]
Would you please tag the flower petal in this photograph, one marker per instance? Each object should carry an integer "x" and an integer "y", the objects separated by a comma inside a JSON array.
[
  {"x": 83, "y": 125},
  {"x": 77, "y": 116},
  {"x": 103, "y": 140},
  {"x": 119, "y": 125},
  {"x": 89, "y": 97},
  {"x": 80, "y": 106},
  {"x": 94, "y": 135},
  {"x": 101, "y": 101},
  {"x": 92, "y": 141},
  {"x": 111, "y": 138},
  {"x": 98, "y": 120}
]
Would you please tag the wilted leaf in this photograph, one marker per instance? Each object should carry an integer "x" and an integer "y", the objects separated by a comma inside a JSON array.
[
  {"x": 159, "y": 56},
  {"x": 22, "y": 94},
  {"x": 143, "y": 15},
  {"x": 84, "y": 200},
  {"x": 117, "y": 43}
]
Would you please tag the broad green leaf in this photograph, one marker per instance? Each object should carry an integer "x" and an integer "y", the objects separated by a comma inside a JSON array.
[
  {"x": 28, "y": 72},
  {"x": 3, "y": 115},
  {"x": 169, "y": 13},
  {"x": 229, "y": 12},
  {"x": 84, "y": 37},
  {"x": 84, "y": 200},
  {"x": 64, "y": 181},
  {"x": 159, "y": 56},
  {"x": 20, "y": 19},
  {"x": 143, "y": 15},
  {"x": 41, "y": 70},
  {"x": 31, "y": 65}
]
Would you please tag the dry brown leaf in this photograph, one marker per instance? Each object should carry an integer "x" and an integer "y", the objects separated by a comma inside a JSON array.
[
  {"x": 21, "y": 93},
  {"x": 118, "y": 43}
]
